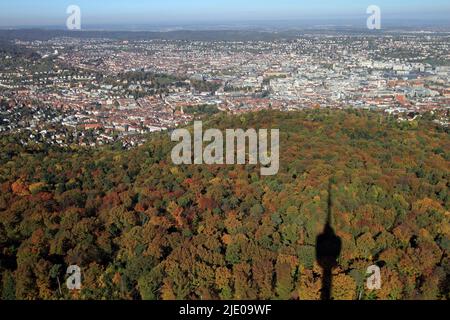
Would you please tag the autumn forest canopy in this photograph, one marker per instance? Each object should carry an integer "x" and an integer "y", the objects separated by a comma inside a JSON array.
[{"x": 140, "y": 227}]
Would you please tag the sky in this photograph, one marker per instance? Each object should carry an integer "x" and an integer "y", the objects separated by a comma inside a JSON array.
[{"x": 152, "y": 12}]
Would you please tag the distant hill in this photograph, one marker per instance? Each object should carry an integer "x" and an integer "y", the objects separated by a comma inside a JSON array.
[
  {"x": 8, "y": 48},
  {"x": 225, "y": 35},
  {"x": 192, "y": 35}
]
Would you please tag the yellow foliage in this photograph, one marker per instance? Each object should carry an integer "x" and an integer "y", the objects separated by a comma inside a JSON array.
[{"x": 344, "y": 287}]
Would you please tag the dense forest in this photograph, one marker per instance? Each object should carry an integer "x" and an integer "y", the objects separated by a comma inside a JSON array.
[{"x": 140, "y": 227}]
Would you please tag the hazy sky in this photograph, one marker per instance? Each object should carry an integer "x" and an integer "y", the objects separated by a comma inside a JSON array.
[{"x": 53, "y": 12}]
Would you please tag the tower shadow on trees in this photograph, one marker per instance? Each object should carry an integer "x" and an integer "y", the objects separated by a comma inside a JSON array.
[{"x": 328, "y": 250}]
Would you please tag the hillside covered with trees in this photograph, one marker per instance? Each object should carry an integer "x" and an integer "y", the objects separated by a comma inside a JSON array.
[{"x": 142, "y": 228}]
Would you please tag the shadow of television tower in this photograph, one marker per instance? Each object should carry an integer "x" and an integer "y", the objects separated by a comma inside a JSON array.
[{"x": 328, "y": 250}]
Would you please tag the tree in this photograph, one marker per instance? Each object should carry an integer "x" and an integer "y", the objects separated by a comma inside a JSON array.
[
  {"x": 344, "y": 287},
  {"x": 150, "y": 283}
]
